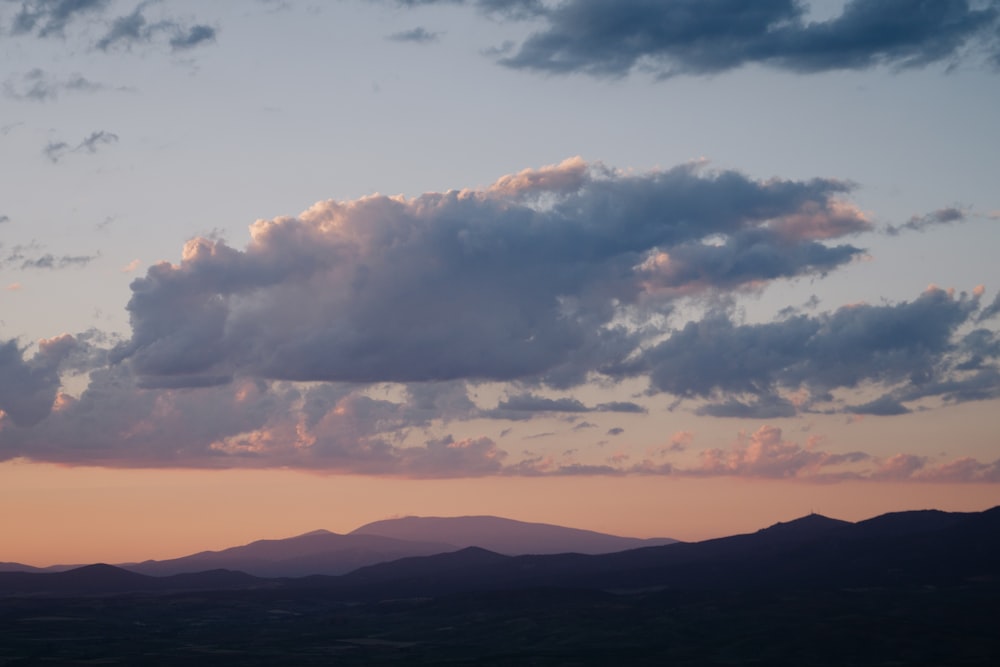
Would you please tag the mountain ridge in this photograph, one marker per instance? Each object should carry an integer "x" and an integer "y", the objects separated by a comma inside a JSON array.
[{"x": 923, "y": 548}]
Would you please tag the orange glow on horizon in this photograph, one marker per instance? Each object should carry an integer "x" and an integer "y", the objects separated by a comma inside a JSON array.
[{"x": 58, "y": 514}]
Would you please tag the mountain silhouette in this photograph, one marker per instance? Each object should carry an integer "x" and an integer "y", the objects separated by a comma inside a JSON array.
[
  {"x": 505, "y": 536},
  {"x": 317, "y": 552},
  {"x": 923, "y": 548}
]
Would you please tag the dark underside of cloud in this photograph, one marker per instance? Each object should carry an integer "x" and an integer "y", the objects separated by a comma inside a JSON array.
[
  {"x": 611, "y": 38},
  {"x": 549, "y": 280}
]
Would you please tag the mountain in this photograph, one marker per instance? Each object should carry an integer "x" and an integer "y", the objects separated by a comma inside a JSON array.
[
  {"x": 504, "y": 536},
  {"x": 318, "y": 552},
  {"x": 810, "y": 552},
  {"x": 908, "y": 549},
  {"x": 103, "y": 579}
]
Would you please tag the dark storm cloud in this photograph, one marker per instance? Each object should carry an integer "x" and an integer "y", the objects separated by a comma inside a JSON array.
[
  {"x": 524, "y": 280},
  {"x": 699, "y": 37},
  {"x": 416, "y": 35}
]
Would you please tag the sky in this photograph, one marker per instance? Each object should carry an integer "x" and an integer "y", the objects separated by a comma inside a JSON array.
[{"x": 655, "y": 268}]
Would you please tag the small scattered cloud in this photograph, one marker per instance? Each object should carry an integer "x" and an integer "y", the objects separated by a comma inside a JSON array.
[
  {"x": 417, "y": 35},
  {"x": 135, "y": 29},
  {"x": 131, "y": 266},
  {"x": 617, "y": 430},
  {"x": 680, "y": 441},
  {"x": 53, "y": 18},
  {"x": 57, "y": 150},
  {"x": 50, "y": 261},
  {"x": 33, "y": 256},
  {"x": 14, "y": 287},
  {"x": 49, "y": 18},
  {"x": 189, "y": 37},
  {"x": 942, "y": 216},
  {"x": 40, "y": 86}
]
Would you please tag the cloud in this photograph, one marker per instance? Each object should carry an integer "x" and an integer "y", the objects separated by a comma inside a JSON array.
[
  {"x": 762, "y": 407},
  {"x": 620, "y": 406},
  {"x": 909, "y": 345},
  {"x": 48, "y": 18},
  {"x": 56, "y": 150},
  {"x": 527, "y": 279},
  {"x": 50, "y": 261},
  {"x": 416, "y": 35},
  {"x": 525, "y": 405},
  {"x": 189, "y": 37},
  {"x": 30, "y": 257},
  {"x": 884, "y": 405},
  {"x": 135, "y": 29},
  {"x": 40, "y": 86},
  {"x": 4, "y": 218},
  {"x": 680, "y": 441},
  {"x": 243, "y": 423},
  {"x": 765, "y": 453},
  {"x": 513, "y": 9},
  {"x": 28, "y": 388},
  {"x": 942, "y": 216},
  {"x": 606, "y": 38}
]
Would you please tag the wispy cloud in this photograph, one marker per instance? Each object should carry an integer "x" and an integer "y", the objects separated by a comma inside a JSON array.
[
  {"x": 416, "y": 35},
  {"x": 57, "y": 150},
  {"x": 942, "y": 216},
  {"x": 37, "y": 85}
]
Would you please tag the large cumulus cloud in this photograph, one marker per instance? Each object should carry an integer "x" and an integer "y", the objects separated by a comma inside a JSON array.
[
  {"x": 531, "y": 278},
  {"x": 357, "y": 335}
]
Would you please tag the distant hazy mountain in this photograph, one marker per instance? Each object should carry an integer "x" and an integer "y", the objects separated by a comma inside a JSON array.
[
  {"x": 318, "y": 552},
  {"x": 323, "y": 552},
  {"x": 505, "y": 536}
]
